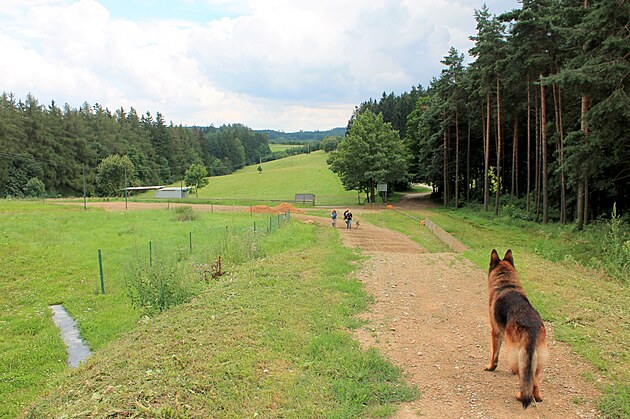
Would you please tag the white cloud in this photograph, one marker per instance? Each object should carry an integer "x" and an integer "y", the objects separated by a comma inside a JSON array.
[{"x": 283, "y": 64}]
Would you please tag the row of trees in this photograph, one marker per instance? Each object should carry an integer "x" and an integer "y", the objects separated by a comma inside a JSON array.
[
  {"x": 58, "y": 145},
  {"x": 539, "y": 116}
]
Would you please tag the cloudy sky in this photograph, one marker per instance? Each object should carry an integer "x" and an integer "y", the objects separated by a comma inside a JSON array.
[{"x": 278, "y": 64}]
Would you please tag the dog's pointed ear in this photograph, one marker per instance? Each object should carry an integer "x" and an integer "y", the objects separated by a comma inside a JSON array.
[
  {"x": 508, "y": 257},
  {"x": 494, "y": 259}
]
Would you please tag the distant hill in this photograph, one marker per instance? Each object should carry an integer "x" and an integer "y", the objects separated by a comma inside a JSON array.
[{"x": 301, "y": 136}]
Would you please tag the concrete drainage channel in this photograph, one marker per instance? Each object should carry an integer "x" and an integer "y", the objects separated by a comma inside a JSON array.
[
  {"x": 438, "y": 232},
  {"x": 77, "y": 350}
]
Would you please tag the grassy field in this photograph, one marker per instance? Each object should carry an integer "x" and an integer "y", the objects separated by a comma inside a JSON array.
[
  {"x": 279, "y": 180},
  {"x": 49, "y": 256},
  {"x": 282, "y": 147},
  {"x": 588, "y": 308},
  {"x": 270, "y": 338}
]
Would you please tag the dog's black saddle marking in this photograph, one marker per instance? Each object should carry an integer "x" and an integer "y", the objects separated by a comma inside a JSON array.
[{"x": 513, "y": 306}]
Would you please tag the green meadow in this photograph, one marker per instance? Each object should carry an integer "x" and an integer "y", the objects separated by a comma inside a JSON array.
[
  {"x": 279, "y": 180},
  {"x": 282, "y": 147},
  {"x": 50, "y": 256}
]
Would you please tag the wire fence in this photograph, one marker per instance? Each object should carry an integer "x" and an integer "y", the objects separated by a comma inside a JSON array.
[{"x": 163, "y": 273}]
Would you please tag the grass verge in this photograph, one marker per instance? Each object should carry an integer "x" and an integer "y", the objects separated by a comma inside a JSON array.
[
  {"x": 269, "y": 340},
  {"x": 409, "y": 226}
]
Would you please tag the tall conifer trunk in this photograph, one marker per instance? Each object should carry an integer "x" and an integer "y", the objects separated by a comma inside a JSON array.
[
  {"x": 582, "y": 216},
  {"x": 582, "y": 210},
  {"x": 486, "y": 192},
  {"x": 481, "y": 186},
  {"x": 456, "y": 156},
  {"x": 445, "y": 162},
  {"x": 468, "y": 164},
  {"x": 538, "y": 170},
  {"x": 563, "y": 181},
  {"x": 497, "y": 200},
  {"x": 515, "y": 157},
  {"x": 543, "y": 140},
  {"x": 529, "y": 146},
  {"x": 586, "y": 201}
]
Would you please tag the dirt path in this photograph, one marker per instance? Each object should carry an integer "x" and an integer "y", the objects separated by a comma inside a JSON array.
[
  {"x": 431, "y": 319},
  {"x": 417, "y": 200},
  {"x": 134, "y": 206}
]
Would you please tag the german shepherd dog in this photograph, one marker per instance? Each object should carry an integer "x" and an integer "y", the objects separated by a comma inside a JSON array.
[{"x": 512, "y": 316}]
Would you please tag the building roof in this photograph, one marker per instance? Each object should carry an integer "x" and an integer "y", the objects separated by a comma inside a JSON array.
[
  {"x": 185, "y": 188},
  {"x": 144, "y": 188}
]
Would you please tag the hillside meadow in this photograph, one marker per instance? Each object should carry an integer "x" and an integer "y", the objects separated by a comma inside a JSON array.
[
  {"x": 281, "y": 147},
  {"x": 279, "y": 180}
]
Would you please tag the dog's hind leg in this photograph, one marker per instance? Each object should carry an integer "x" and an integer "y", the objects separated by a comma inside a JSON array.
[
  {"x": 541, "y": 358},
  {"x": 512, "y": 357},
  {"x": 497, "y": 338}
]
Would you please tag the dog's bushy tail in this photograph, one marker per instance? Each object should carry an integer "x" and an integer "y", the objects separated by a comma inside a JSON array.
[{"x": 527, "y": 364}]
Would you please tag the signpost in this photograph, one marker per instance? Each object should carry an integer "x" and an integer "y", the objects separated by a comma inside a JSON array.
[{"x": 382, "y": 187}]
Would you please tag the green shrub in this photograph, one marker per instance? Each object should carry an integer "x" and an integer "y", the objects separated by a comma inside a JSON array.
[
  {"x": 34, "y": 188},
  {"x": 186, "y": 214},
  {"x": 237, "y": 246},
  {"x": 156, "y": 288},
  {"x": 616, "y": 248},
  {"x": 516, "y": 209}
]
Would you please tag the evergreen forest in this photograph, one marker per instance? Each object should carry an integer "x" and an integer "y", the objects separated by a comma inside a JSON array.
[
  {"x": 60, "y": 147},
  {"x": 536, "y": 124}
]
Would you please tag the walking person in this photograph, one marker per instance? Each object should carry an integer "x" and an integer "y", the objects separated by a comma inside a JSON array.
[
  {"x": 349, "y": 221},
  {"x": 333, "y": 216},
  {"x": 345, "y": 216}
]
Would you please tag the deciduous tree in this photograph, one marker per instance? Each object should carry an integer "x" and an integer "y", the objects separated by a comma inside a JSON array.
[
  {"x": 197, "y": 177},
  {"x": 372, "y": 152},
  {"x": 114, "y": 174}
]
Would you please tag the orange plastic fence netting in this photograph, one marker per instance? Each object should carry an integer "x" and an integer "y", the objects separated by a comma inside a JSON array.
[{"x": 279, "y": 209}]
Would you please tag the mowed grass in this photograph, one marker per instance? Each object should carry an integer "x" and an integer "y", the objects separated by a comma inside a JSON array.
[
  {"x": 49, "y": 256},
  {"x": 281, "y": 180},
  {"x": 282, "y": 147},
  {"x": 588, "y": 309},
  {"x": 269, "y": 340}
]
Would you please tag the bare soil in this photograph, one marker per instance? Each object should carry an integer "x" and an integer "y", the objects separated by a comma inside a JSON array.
[
  {"x": 134, "y": 206},
  {"x": 430, "y": 318}
]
